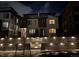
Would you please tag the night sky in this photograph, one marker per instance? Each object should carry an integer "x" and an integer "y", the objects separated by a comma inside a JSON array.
[
  {"x": 57, "y": 6},
  {"x": 28, "y": 7}
]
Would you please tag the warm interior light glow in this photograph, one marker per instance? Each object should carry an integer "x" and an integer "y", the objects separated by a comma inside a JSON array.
[
  {"x": 52, "y": 21},
  {"x": 52, "y": 30}
]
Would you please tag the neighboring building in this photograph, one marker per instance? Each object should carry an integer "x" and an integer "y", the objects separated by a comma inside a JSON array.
[
  {"x": 70, "y": 19},
  {"x": 41, "y": 24},
  {"x": 60, "y": 31},
  {"x": 8, "y": 22}
]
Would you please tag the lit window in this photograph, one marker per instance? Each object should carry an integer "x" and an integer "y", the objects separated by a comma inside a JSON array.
[
  {"x": 31, "y": 31},
  {"x": 5, "y": 24},
  {"x": 52, "y": 30},
  {"x": 52, "y": 21}
]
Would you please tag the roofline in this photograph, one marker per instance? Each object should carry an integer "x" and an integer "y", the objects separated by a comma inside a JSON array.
[{"x": 8, "y": 9}]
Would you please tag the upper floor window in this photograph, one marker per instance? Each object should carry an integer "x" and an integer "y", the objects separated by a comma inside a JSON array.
[
  {"x": 5, "y": 25},
  {"x": 52, "y": 21}
]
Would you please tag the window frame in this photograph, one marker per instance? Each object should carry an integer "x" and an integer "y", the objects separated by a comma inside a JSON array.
[
  {"x": 52, "y": 21},
  {"x": 52, "y": 30}
]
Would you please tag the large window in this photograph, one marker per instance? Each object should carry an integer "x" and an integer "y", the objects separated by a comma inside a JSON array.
[
  {"x": 5, "y": 24},
  {"x": 51, "y": 21},
  {"x": 31, "y": 31},
  {"x": 52, "y": 30}
]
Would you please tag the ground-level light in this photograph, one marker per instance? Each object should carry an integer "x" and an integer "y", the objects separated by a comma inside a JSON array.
[
  {"x": 10, "y": 44},
  {"x": 73, "y": 37},
  {"x": 62, "y": 43},
  {"x": 27, "y": 38},
  {"x": 45, "y": 37},
  {"x": 2, "y": 38},
  {"x": 19, "y": 38},
  {"x": 10, "y": 38},
  {"x": 1, "y": 44},
  {"x": 51, "y": 44},
  {"x": 20, "y": 44},
  {"x": 54, "y": 37},
  {"x": 36, "y": 47},
  {"x": 63, "y": 37},
  {"x": 72, "y": 43}
]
